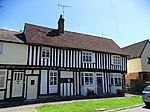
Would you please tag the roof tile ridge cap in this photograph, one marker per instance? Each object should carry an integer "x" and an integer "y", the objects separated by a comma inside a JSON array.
[
  {"x": 135, "y": 43},
  {"x": 36, "y": 25},
  {"x": 9, "y": 30},
  {"x": 80, "y": 33}
]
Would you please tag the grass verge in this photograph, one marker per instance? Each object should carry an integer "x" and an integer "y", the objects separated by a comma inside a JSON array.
[{"x": 91, "y": 105}]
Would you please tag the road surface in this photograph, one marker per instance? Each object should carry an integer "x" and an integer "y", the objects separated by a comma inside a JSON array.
[{"x": 137, "y": 109}]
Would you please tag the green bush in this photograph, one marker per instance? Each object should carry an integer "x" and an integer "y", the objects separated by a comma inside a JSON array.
[{"x": 137, "y": 86}]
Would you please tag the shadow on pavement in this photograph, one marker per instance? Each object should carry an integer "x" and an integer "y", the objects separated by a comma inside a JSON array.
[{"x": 146, "y": 107}]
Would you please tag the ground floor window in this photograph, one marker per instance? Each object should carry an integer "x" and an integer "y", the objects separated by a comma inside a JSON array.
[
  {"x": 87, "y": 79},
  {"x": 53, "y": 78},
  {"x": 145, "y": 76},
  {"x": 116, "y": 79},
  {"x": 2, "y": 79}
]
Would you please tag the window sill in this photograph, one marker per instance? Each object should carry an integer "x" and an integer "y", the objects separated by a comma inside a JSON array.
[
  {"x": 88, "y": 62},
  {"x": 45, "y": 58},
  {"x": 88, "y": 85},
  {"x": 118, "y": 85},
  {"x": 116, "y": 64}
]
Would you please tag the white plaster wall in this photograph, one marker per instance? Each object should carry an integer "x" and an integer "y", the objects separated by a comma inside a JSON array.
[
  {"x": 43, "y": 85},
  {"x": 66, "y": 74},
  {"x": 14, "y": 54}
]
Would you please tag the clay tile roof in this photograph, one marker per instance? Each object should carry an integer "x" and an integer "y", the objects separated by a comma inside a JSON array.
[
  {"x": 135, "y": 50},
  {"x": 11, "y": 36},
  {"x": 46, "y": 36}
]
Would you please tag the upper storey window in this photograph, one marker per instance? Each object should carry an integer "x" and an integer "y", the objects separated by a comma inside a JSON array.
[
  {"x": 45, "y": 53},
  {"x": 148, "y": 60},
  {"x": 1, "y": 48},
  {"x": 87, "y": 57},
  {"x": 116, "y": 60}
]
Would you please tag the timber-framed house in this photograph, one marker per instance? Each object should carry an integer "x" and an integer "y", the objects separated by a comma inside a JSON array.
[{"x": 44, "y": 61}]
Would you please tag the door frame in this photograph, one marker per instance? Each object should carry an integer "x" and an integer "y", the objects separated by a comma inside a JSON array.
[
  {"x": 27, "y": 84},
  {"x": 11, "y": 84},
  {"x": 102, "y": 76}
]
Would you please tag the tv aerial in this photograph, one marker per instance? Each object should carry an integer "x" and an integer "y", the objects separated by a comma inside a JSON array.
[{"x": 64, "y": 6}]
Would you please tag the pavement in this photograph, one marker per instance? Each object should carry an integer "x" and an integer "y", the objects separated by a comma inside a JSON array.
[{"x": 28, "y": 106}]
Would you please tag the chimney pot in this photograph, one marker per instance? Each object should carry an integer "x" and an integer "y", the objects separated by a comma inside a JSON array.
[{"x": 61, "y": 25}]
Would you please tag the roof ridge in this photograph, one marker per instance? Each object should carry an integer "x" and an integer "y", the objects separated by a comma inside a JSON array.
[
  {"x": 9, "y": 30},
  {"x": 69, "y": 31},
  {"x": 147, "y": 40}
]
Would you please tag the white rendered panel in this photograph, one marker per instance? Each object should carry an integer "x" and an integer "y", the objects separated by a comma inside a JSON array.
[{"x": 43, "y": 85}]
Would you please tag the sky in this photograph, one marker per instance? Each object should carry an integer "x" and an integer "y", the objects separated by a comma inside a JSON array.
[{"x": 124, "y": 21}]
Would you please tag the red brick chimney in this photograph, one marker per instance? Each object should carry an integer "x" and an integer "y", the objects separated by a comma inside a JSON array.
[{"x": 61, "y": 25}]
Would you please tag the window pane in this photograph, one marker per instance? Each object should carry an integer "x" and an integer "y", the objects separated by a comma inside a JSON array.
[
  {"x": 43, "y": 54},
  {"x": 51, "y": 74},
  {"x": 116, "y": 82},
  {"x": 55, "y": 78},
  {"x": 83, "y": 58},
  {"x": 51, "y": 81},
  {"x": 55, "y": 82},
  {"x": 112, "y": 82},
  {"x": 119, "y": 80},
  {"x": 47, "y": 54},
  {"x": 90, "y": 59},
  {"x": 55, "y": 74},
  {"x": 148, "y": 60},
  {"x": 82, "y": 80},
  {"x": 91, "y": 80},
  {"x": 2, "y": 81},
  {"x": 86, "y": 81}
]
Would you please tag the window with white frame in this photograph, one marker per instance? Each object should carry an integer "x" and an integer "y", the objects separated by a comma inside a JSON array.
[
  {"x": 45, "y": 53},
  {"x": 1, "y": 48},
  {"x": 53, "y": 78},
  {"x": 87, "y": 57},
  {"x": 87, "y": 79},
  {"x": 148, "y": 60},
  {"x": 116, "y": 79},
  {"x": 2, "y": 79},
  {"x": 116, "y": 60}
]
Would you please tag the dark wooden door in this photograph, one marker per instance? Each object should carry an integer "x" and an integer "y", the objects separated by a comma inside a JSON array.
[{"x": 99, "y": 85}]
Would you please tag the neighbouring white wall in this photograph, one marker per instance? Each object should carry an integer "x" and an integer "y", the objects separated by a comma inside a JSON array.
[{"x": 14, "y": 54}]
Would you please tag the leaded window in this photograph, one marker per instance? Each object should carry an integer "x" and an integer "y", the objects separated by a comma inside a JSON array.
[
  {"x": 45, "y": 53},
  {"x": 53, "y": 78},
  {"x": 87, "y": 57},
  {"x": 116, "y": 60},
  {"x": 87, "y": 78}
]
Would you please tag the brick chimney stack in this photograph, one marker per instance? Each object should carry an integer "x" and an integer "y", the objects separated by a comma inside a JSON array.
[{"x": 61, "y": 25}]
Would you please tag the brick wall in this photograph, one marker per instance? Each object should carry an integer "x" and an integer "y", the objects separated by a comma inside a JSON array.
[{"x": 130, "y": 76}]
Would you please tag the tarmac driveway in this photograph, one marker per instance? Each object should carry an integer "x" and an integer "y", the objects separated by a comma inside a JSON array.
[{"x": 137, "y": 109}]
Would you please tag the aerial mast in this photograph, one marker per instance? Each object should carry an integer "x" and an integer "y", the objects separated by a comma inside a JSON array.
[{"x": 64, "y": 6}]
